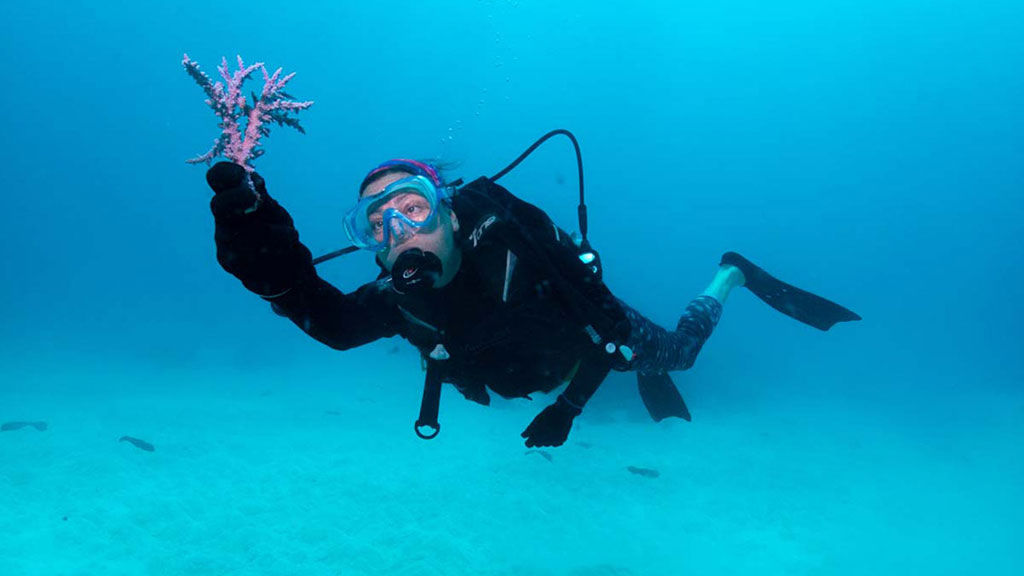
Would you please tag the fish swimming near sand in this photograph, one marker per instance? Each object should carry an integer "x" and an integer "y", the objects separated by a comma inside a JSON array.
[
  {"x": 543, "y": 454},
  {"x": 645, "y": 472},
  {"x": 9, "y": 426},
  {"x": 140, "y": 444}
]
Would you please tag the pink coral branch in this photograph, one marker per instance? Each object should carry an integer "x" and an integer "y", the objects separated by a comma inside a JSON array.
[{"x": 228, "y": 103}]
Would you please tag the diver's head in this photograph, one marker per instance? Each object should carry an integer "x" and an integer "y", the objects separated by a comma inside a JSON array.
[{"x": 404, "y": 209}]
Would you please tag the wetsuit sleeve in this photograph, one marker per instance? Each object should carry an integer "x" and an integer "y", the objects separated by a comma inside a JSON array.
[
  {"x": 261, "y": 248},
  {"x": 339, "y": 320},
  {"x": 594, "y": 368}
]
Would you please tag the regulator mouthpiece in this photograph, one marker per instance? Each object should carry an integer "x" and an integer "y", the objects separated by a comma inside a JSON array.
[{"x": 416, "y": 271}]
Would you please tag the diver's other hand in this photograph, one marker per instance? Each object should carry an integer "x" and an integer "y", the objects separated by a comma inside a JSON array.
[
  {"x": 551, "y": 427},
  {"x": 233, "y": 196}
]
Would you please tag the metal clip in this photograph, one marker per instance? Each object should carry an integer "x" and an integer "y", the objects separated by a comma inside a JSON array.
[{"x": 439, "y": 353}]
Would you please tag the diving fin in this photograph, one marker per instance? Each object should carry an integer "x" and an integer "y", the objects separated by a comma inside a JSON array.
[
  {"x": 661, "y": 397},
  {"x": 799, "y": 304}
]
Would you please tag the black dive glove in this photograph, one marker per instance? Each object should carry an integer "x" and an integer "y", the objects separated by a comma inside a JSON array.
[
  {"x": 551, "y": 427},
  {"x": 256, "y": 238}
]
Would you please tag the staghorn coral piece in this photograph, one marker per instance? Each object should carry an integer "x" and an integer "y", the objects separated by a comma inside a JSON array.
[{"x": 272, "y": 105}]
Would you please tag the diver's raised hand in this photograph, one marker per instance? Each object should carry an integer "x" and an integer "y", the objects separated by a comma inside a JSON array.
[
  {"x": 256, "y": 238},
  {"x": 551, "y": 427},
  {"x": 235, "y": 192}
]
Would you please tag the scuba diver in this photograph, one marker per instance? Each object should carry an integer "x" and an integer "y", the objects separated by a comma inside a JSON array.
[{"x": 492, "y": 293}]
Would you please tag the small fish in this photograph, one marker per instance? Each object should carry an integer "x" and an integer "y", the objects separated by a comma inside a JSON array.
[
  {"x": 546, "y": 456},
  {"x": 8, "y": 426},
  {"x": 332, "y": 412},
  {"x": 645, "y": 472},
  {"x": 140, "y": 444}
]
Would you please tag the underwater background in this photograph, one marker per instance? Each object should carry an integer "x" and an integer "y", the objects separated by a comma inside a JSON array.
[{"x": 871, "y": 152}]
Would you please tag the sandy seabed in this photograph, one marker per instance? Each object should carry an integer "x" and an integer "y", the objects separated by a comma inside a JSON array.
[{"x": 275, "y": 474}]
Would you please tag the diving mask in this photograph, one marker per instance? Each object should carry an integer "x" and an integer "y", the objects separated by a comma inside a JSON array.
[{"x": 401, "y": 209}]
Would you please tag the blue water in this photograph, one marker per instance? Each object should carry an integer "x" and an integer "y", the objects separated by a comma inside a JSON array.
[{"x": 872, "y": 152}]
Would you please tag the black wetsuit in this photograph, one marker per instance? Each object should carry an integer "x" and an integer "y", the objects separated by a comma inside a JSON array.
[{"x": 504, "y": 323}]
